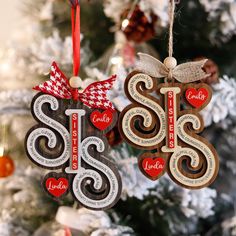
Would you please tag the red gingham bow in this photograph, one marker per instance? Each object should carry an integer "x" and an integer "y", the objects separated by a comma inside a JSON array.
[{"x": 94, "y": 96}]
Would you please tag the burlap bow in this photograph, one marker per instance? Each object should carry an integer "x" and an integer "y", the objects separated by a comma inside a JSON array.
[{"x": 184, "y": 73}]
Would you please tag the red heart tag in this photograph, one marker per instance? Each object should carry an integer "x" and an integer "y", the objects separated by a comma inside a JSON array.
[
  {"x": 101, "y": 120},
  {"x": 57, "y": 187},
  {"x": 196, "y": 97},
  {"x": 153, "y": 167}
]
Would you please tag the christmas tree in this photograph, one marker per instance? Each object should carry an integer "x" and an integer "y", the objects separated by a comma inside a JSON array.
[{"x": 112, "y": 33}]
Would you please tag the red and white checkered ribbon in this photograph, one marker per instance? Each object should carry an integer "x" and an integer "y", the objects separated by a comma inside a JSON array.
[{"x": 94, "y": 96}]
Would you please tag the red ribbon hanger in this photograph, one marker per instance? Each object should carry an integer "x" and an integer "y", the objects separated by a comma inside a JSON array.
[
  {"x": 75, "y": 23},
  {"x": 95, "y": 95}
]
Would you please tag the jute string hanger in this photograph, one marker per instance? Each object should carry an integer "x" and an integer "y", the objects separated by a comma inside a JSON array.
[
  {"x": 170, "y": 62},
  {"x": 184, "y": 73}
]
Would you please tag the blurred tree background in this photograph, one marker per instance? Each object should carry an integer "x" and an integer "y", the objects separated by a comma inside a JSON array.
[{"x": 112, "y": 33}]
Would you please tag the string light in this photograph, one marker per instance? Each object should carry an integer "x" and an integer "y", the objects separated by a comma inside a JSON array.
[
  {"x": 5, "y": 68},
  {"x": 125, "y": 22},
  {"x": 1, "y": 151},
  {"x": 116, "y": 60},
  {"x": 3, "y": 142}
]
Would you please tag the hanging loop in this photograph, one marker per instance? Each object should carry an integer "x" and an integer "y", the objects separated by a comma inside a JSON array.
[
  {"x": 75, "y": 25},
  {"x": 74, "y": 3}
]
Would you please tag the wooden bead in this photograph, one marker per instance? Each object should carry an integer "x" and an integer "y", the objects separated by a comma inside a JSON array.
[
  {"x": 75, "y": 82},
  {"x": 170, "y": 62}
]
